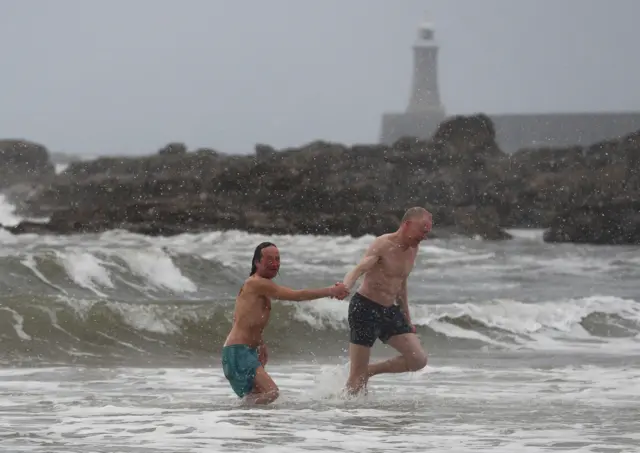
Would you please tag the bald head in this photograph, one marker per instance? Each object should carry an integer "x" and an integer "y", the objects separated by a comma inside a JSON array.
[
  {"x": 415, "y": 213},
  {"x": 416, "y": 224}
]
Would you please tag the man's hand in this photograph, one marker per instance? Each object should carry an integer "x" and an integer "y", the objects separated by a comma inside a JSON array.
[
  {"x": 263, "y": 354},
  {"x": 411, "y": 325},
  {"x": 339, "y": 291}
]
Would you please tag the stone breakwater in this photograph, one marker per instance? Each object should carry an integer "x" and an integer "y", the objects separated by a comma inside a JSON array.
[{"x": 587, "y": 195}]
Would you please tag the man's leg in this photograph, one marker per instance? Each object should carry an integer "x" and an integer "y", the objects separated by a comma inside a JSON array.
[
  {"x": 412, "y": 357},
  {"x": 358, "y": 366},
  {"x": 362, "y": 336},
  {"x": 264, "y": 391}
]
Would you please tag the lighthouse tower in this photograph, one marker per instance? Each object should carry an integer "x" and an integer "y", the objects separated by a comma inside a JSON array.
[
  {"x": 425, "y": 95},
  {"x": 424, "y": 112}
]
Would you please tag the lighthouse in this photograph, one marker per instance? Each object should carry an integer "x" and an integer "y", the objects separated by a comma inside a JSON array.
[
  {"x": 424, "y": 111},
  {"x": 425, "y": 94}
]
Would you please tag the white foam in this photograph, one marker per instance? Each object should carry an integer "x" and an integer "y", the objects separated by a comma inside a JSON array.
[
  {"x": 8, "y": 216},
  {"x": 18, "y": 324},
  {"x": 30, "y": 263},
  {"x": 528, "y": 234},
  {"x": 86, "y": 270},
  {"x": 303, "y": 252},
  {"x": 322, "y": 314},
  {"x": 453, "y": 331},
  {"x": 145, "y": 317},
  {"x": 59, "y": 168},
  {"x": 448, "y": 408},
  {"x": 526, "y": 318},
  {"x": 541, "y": 325},
  {"x": 158, "y": 269},
  {"x": 548, "y": 325},
  {"x": 567, "y": 265}
]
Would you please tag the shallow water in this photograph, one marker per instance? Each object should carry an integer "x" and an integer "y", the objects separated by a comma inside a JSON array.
[{"x": 504, "y": 405}]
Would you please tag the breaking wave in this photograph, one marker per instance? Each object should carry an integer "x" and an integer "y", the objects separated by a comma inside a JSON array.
[
  {"x": 63, "y": 329},
  {"x": 118, "y": 296}
]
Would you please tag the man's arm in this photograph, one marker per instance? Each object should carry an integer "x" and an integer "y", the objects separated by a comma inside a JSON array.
[
  {"x": 403, "y": 300},
  {"x": 370, "y": 259},
  {"x": 268, "y": 288}
]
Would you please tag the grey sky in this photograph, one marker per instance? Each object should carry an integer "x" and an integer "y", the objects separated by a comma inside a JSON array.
[{"x": 116, "y": 77}]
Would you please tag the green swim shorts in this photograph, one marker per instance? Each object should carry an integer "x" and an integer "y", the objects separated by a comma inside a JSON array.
[{"x": 239, "y": 364}]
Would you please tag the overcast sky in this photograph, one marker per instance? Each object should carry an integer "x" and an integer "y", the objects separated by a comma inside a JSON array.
[{"x": 128, "y": 76}]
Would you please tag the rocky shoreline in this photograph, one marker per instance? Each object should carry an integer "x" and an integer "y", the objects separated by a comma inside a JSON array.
[{"x": 581, "y": 195}]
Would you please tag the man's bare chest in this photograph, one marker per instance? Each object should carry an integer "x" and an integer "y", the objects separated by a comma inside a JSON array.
[{"x": 398, "y": 263}]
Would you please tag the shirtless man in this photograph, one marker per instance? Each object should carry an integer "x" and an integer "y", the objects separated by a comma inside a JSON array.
[
  {"x": 373, "y": 312},
  {"x": 244, "y": 354}
]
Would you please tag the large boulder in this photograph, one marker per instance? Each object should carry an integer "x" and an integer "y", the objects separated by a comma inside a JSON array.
[
  {"x": 614, "y": 223},
  {"x": 319, "y": 188},
  {"x": 23, "y": 161},
  {"x": 460, "y": 174}
]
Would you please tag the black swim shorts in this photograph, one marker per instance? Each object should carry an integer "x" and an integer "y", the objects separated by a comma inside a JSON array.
[{"x": 369, "y": 321}]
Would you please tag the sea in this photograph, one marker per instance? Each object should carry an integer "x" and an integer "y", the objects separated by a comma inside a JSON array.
[{"x": 111, "y": 343}]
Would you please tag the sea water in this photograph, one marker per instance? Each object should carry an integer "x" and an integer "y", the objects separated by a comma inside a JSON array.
[{"x": 111, "y": 343}]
